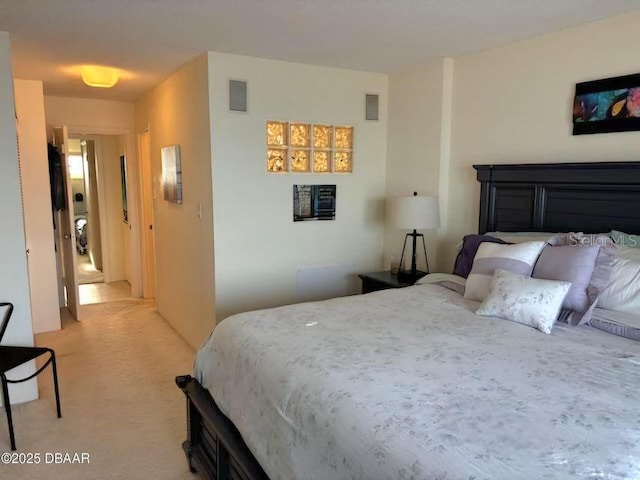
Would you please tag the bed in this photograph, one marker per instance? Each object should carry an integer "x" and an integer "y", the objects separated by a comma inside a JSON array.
[{"x": 409, "y": 384}]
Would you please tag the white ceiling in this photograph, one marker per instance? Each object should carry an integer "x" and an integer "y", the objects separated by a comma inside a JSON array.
[{"x": 151, "y": 38}]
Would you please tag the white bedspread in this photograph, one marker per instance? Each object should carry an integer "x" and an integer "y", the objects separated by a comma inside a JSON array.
[{"x": 410, "y": 384}]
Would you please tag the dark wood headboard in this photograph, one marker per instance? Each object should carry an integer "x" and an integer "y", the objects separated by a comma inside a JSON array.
[{"x": 560, "y": 197}]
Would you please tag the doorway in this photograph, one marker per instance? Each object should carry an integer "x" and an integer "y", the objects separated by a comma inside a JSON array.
[
  {"x": 99, "y": 212},
  {"x": 86, "y": 212}
]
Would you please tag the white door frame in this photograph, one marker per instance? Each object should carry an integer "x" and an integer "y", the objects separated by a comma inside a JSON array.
[
  {"x": 67, "y": 228},
  {"x": 148, "y": 284},
  {"x": 133, "y": 197},
  {"x": 102, "y": 202}
]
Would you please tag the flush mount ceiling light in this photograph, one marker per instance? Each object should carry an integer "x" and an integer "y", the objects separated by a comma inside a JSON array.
[{"x": 97, "y": 76}]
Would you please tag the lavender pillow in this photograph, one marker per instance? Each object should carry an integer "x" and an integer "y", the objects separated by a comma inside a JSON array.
[
  {"x": 470, "y": 245},
  {"x": 604, "y": 262},
  {"x": 574, "y": 264}
]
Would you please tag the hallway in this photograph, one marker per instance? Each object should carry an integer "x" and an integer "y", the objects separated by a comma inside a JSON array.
[
  {"x": 119, "y": 400},
  {"x": 87, "y": 273},
  {"x": 104, "y": 292}
]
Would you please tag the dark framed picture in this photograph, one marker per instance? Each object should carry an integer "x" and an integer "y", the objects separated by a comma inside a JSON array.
[
  {"x": 607, "y": 105},
  {"x": 314, "y": 202},
  {"x": 123, "y": 179}
]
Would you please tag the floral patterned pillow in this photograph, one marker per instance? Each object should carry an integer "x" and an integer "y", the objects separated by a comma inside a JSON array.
[{"x": 530, "y": 301}]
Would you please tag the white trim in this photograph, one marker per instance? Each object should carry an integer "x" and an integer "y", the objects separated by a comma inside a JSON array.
[
  {"x": 133, "y": 196},
  {"x": 143, "y": 221},
  {"x": 102, "y": 205}
]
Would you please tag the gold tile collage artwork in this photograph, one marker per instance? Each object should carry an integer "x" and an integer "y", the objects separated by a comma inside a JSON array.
[{"x": 308, "y": 148}]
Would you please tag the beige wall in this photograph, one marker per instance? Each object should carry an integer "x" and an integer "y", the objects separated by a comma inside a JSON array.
[
  {"x": 110, "y": 150},
  {"x": 514, "y": 105},
  {"x": 123, "y": 229},
  {"x": 38, "y": 219},
  {"x": 417, "y": 145},
  {"x": 94, "y": 232},
  {"x": 259, "y": 250},
  {"x": 511, "y": 104},
  {"x": 106, "y": 117},
  {"x": 14, "y": 281},
  {"x": 88, "y": 115},
  {"x": 177, "y": 113}
]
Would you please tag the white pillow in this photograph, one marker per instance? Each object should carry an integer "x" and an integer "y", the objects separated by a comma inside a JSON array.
[
  {"x": 530, "y": 301},
  {"x": 623, "y": 291},
  {"x": 519, "y": 258}
]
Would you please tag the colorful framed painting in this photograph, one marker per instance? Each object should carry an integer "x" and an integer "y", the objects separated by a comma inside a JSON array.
[{"x": 607, "y": 105}]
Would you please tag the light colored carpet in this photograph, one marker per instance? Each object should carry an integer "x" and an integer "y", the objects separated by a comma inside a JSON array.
[
  {"x": 103, "y": 292},
  {"x": 87, "y": 273},
  {"x": 119, "y": 400}
]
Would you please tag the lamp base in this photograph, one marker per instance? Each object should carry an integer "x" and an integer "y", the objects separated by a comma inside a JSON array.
[
  {"x": 413, "y": 275},
  {"x": 408, "y": 277}
]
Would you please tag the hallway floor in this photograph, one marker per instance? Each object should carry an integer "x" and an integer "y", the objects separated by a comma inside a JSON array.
[
  {"x": 87, "y": 273},
  {"x": 119, "y": 400},
  {"x": 104, "y": 292}
]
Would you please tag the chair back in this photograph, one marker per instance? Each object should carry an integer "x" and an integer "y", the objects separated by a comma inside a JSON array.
[{"x": 6, "y": 318}]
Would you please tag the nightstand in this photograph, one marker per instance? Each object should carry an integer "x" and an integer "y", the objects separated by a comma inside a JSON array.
[{"x": 374, "y": 281}]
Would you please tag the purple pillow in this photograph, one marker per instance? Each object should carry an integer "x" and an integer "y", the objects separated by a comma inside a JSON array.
[
  {"x": 573, "y": 264},
  {"x": 470, "y": 245}
]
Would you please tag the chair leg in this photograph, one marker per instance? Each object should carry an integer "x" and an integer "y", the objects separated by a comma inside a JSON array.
[
  {"x": 7, "y": 407},
  {"x": 55, "y": 382}
]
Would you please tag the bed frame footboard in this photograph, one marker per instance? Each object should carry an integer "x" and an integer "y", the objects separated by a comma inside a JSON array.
[{"x": 214, "y": 447}]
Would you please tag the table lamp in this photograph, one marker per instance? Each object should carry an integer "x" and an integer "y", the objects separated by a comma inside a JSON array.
[{"x": 415, "y": 213}]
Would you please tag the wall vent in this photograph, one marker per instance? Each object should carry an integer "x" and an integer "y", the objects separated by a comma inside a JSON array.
[
  {"x": 371, "y": 106},
  {"x": 237, "y": 96}
]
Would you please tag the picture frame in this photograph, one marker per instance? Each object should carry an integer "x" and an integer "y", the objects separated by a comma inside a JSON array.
[
  {"x": 314, "y": 202},
  {"x": 171, "y": 174},
  {"x": 123, "y": 180},
  {"x": 607, "y": 105}
]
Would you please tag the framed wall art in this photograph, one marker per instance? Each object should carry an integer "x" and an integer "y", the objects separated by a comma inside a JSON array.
[
  {"x": 294, "y": 147},
  {"x": 314, "y": 202},
  {"x": 607, "y": 105},
  {"x": 123, "y": 183},
  {"x": 171, "y": 174}
]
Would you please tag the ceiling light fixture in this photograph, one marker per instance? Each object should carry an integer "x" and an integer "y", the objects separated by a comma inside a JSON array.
[{"x": 97, "y": 76}]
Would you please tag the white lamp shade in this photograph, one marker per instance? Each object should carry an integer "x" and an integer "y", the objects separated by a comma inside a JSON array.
[{"x": 415, "y": 213}]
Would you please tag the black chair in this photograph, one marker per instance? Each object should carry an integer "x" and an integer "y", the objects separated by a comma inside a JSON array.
[{"x": 12, "y": 357}]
